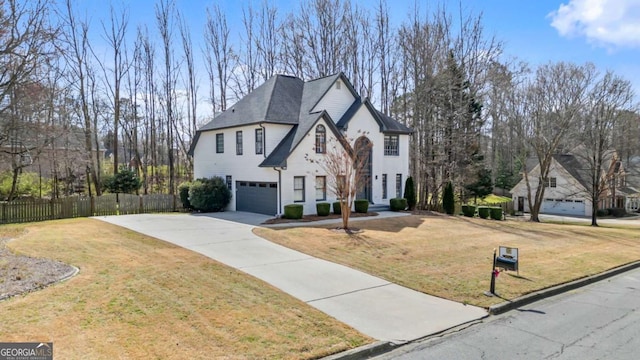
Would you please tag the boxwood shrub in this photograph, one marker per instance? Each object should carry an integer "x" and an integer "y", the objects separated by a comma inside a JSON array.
[
  {"x": 398, "y": 204},
  {"x": 617, "y": 212},
  {"x": 209, "y": 194},
  {"x": 496, "y": 213},
  {"x": 469, "y": 210},
  {"x": 323, "y": 208},
  {"x": 602, "y": 212},
  {"x": 293, "y": 211},
  {"x": 183, "y": 193},
  {"x": 361, "y": 205},
  {"x": 483, "y": 212},
  {"x": 336, "y": 208}
]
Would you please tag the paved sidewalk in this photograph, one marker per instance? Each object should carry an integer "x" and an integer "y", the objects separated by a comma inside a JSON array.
[{"x": 375, "y": 307}]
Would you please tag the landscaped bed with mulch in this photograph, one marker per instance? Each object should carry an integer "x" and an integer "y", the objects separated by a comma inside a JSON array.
[
  {"x": 138, "y": 297},
  {"x": 451, "y": 257}
]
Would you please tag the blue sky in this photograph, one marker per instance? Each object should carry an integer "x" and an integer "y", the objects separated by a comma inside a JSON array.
[{"x": 605, "y": 32}]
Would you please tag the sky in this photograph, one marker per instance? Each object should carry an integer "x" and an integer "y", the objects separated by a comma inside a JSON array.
[{"x": 604, "y": 32}]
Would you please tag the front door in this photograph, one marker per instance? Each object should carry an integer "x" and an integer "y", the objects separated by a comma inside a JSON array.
[
  {"x": 521, "y": 203},
  {"x": 363, "y": 166}
]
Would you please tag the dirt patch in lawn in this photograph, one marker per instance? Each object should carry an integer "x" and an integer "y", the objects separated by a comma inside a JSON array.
[
  {"x": 451, "y": 257},
  {"x": 137, "y": 297}
]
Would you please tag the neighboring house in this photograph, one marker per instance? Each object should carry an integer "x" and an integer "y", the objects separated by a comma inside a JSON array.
[
  {"x": 567, "y": 188},
  {"x": 259, "y": 144}
]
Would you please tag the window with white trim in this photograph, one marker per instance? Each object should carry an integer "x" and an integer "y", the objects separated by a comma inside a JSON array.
[
  {"x": 398, "y": 185},
  {"x": 298, "y": 188},
  {"x": 259, "y": 141},
  {"x": 321, "y": 188},
  {"x": 229, "y": 182},
  {"x": 238, "y": 142},
  {"x": 219, "y": 143},
  {"x": 384, "y": 186},
  {"x": 321, "y": 139},
  {"x": 391, "y": 147}
]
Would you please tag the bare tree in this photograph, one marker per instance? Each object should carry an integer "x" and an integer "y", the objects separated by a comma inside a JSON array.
[
  {"x": 269, "y": 41},
  {"x": 554, "y": 100},
  {"x": 608, "y": 99},
  {"x": 191, "y": 86},
  {"x": 344, "y": 167},
  {"x": 220, "y": 65}
]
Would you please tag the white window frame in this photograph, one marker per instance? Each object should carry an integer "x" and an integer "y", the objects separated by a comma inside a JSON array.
[
  {"x": 321, "y": 188},
  {"x": 298, "y": 189}
]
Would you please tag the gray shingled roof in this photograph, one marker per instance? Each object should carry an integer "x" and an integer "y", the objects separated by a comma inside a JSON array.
[{"x": 288, "y": 100}]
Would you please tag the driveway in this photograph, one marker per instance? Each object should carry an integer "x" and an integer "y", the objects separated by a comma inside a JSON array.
[{"x": 374, "y": 306}]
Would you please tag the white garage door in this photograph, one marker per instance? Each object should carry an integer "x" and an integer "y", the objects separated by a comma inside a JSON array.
[{"x": 563, "y": 207}]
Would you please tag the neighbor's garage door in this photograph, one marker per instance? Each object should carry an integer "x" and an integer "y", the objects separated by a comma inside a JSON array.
[
  {"x": 257, "y": 197},
  {"x": 563, "y": 207}
]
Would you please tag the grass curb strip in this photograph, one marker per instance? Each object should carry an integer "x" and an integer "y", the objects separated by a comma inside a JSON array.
[
  {"x": 363, "y": 352},
  {"x": 559, "y": 289}
]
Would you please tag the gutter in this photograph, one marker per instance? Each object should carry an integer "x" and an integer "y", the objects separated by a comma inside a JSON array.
[{"x": 279, "y": 189}]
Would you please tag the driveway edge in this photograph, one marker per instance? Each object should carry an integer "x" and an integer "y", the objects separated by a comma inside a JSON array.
[
  {"x": 559, "y": 289},
  {"x": 363, "y": 352}
]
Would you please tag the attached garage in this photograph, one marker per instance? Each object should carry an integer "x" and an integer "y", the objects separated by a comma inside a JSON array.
[
  {"x": 257, "y": 197},
  {"x": 563, "y": 207}
]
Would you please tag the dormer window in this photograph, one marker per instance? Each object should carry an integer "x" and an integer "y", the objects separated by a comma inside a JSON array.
[{"x": 321, "y": 139}]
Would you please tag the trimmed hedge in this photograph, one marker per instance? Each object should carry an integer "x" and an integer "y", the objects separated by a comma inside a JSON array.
[
  {"x": 361, "y": 205},
  {"x": 183, "y": 192},
  {"x": 323, "y": 208},
  {"x": 469, "y": 210},
  {"x": 496, "y": 213},
  {"x": 617, "y": 212},
  {"x": 397, "y": 204},
  {"x": 336, "y": 208},
  {"x": 293, "y": 211},
  {"x": 209, "y": 194},
  {"x": 602, "y": 212},
  {"x": 483, "y": 212}
]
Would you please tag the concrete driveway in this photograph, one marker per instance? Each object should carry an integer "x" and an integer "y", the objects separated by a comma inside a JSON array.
[{"x": 373, "y": 306}]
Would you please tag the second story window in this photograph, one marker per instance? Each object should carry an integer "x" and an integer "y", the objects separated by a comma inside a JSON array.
[
  {"x": 321, "y": 139},
  {"x": 259, "y": 141},
  {"x": 219, "y": 143},
  {"x": 391, "y": 145},
  {"x": 238, "y": 142}
]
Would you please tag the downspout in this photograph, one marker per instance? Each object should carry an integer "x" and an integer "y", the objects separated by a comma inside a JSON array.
[{"x": 279, "y": 190}]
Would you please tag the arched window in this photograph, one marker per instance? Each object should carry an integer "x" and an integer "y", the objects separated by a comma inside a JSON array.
[{"x": 321, "y": 139}]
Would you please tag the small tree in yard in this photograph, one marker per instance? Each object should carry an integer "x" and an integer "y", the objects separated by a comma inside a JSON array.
[
  {"x": 483, "y": 185},
  {"x": 125, "y": 181},
  {"x": 410, "y": 193},
  {"x": 344, "y": 171},
  {"x": 448, "y": 200}
]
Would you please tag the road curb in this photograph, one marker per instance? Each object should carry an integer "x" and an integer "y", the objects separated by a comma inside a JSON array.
[
  {"x": 559, "y": 289},
  {"x": 363, "y": 352}
]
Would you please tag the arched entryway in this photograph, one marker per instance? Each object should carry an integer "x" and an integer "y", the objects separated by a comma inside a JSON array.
[{"x": 363, "y": 164}]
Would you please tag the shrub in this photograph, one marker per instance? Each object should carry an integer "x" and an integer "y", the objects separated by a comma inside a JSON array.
[
  {"x": 293, "y": 211},
  {"x": 617, "y": 212},
  {"x": 361, "y": 205},
  {"x": 323, "y": 208},
  {"x": 398, "y": 204},
  {"x": 602, "y": 212},
  {"x": 336, "y": 208},
  {"x": 183, "y": 193},
  {"x": 410, "y": 193},
  {"x": 125, "y": 181},
  {"x": 483, "y": 212},
  {"x": 496, "y": 213},
  {"x": 209, "y": 194},
  {"x": 469, "y": 210},
  {"x": 448, "y": 200}
]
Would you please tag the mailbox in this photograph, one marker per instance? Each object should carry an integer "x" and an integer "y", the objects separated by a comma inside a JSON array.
[{"x": 507, "y": 258}]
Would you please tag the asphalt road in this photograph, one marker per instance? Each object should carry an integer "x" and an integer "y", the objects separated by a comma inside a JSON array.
[{"x": 599, "y": 321}]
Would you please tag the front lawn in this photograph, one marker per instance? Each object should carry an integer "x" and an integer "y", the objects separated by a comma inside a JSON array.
[
  {"x": 451, "y": 257},
  {"x": 137, "y": 297}
]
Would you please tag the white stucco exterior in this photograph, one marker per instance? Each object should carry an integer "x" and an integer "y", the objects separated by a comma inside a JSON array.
[{"x": 336, "y": 101}]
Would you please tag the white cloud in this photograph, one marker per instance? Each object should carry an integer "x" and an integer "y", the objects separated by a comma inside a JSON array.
[{"x": 608, "y": 23}]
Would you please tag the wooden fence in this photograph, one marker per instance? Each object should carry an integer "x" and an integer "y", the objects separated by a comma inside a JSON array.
[{"x": 70, "y": 207}]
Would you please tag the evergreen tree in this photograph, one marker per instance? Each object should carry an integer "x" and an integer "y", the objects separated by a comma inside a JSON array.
[
  {"x": 448, "y": 201},
  {"x": 483, "y": 185},
  {"x": 410, "y": 193}
]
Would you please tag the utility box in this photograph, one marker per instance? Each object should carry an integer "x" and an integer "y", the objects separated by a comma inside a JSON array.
[{"x": 507, "y": 258}]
